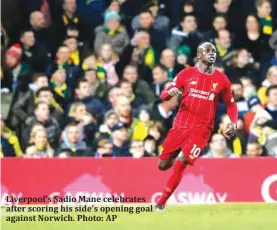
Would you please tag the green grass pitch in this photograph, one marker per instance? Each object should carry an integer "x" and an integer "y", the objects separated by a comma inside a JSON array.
[{"x": 241, "y": 216}]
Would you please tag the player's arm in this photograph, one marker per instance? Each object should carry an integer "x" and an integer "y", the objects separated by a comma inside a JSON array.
[
  {"x": 232, "y": 109},
  {"x": 172, "y": 90}
]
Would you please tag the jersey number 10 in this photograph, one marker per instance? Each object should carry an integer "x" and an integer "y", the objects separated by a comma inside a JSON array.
[{"x": 195, "y": 151}]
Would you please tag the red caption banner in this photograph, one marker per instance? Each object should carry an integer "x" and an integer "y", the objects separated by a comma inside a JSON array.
[{"x": 209, "y": 181}]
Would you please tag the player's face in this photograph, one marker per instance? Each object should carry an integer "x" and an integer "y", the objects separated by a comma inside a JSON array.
[{"x": 208, "y": 54}]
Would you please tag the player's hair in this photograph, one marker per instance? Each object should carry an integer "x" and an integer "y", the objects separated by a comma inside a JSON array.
[
  {"x": 270, "y": 88},
  {"x": 81, "y": 80},
  {"x": 43, "y": 89},
  {"x": 259, "y": 3},
  {"x": 36, "y": 76},
  {"x": 162, "y": 67}
]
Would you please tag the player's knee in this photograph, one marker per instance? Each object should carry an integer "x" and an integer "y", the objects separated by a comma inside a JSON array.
[{"x": 162, "y": 166}]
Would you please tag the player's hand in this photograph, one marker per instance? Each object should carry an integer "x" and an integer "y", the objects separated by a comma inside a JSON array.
[
  {"x": 230, "y": 130},
  {"x": 174, "y": 91}
]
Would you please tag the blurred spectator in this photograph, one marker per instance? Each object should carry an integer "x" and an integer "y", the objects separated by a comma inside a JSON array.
[
  {"x": 255, "y": 133},
  {"x": 168, "y": 59},
  {"x": 124, "y": 111},
  {"x": 106, "y": 58},
  {"x": 127, "y": 90},
  {"x": 114, "y": 94},
  {"x": 42, "y": 116},
  {"x": 17, "y": 74},
  {"x": 90, "y": 62},
  {"x": 61, "y": 92},
  {"x": 160, "y": 77},
  {"x": 45, "y": 95},
  {"x": 39, "y": 27},
  {"x": 223, "y": 44},
  {"x": 143, "y": 55},
  {"x": 219, "y": 23},
  {"x": 140, "y": 88},
  {"x": 111, "y": 32},
  {"x": 98, "y": 88},
  {"x": 263, "y": 12},
  {"x": 271, "y": 79},
  {"x": 269, "y": 131},
  {"x": 242, "y": 66},
  {"x": 271, "y": 106},
  {"x": 119, "y": 139},
  {"x": 78, "y": 114},
  {"x": 150, "y": 146},
  {"x": 69, "y": 17},
  {"x": 104, "y": 149},
  {"x": 237, "y": 89},
  {"x": 24, "y": 106},
  {"x": 157, "y": 131},
  {"x": 254, "y": 149},
  {"x": 34, "y": 52},
  {"x": 237, "y": 143},
  {"x": 251, "y": 39},
  {"x": 72, "y": 141},
  {"x": 83, "y": 94},
  {"x": 137, "y": 149},
  {"x": 165, "y": 111},
  {"x": 75, "y": 52},
  {"x": 146, "y": 23},
  {"x": 185, "y": 35},
  {"x": 141, "y": 128},
  {"x": 110, "y": 120},
  {"x": 39, "y": 140},
  {"x": 254, "y": 105},
  {"x": 10, "y": 146},
  {"x": 157, "y": 21},
  {"x": 218, "y": 148}
]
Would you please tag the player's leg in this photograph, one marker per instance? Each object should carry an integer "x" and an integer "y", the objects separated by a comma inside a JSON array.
[
  {"x": 179, "y": 166},
  {"x": 190, "y": 151},
  {"x": 166, "y": 164}
]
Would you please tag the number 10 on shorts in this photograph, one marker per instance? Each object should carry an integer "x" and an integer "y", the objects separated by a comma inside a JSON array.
[{"x": 195, "y": 151}]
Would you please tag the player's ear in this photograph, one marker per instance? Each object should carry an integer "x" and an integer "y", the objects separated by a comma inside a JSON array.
[{"x": 198, "y": 55}]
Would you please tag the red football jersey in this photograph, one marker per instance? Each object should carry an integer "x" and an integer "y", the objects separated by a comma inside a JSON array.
[{"x": 201, "y": 93}]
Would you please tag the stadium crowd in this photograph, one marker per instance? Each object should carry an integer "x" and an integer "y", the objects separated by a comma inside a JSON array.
[{"x": 83, "y": 77}]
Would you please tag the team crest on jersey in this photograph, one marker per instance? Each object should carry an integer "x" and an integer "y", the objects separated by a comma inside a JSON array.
[{"x": 214, "y": 86}]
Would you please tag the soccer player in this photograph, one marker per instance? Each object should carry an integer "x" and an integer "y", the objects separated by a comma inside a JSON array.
[{"x": 201, "y": 88}]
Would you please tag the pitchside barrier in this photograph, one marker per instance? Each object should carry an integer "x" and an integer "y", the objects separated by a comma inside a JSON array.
[{"x": 209, "y": 181}]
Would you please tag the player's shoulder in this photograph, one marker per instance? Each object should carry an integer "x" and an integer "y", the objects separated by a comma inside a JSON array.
[{"x": 221, "y": 76}]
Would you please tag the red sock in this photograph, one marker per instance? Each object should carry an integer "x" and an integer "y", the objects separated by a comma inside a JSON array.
[{"x": 174, "y": 181}]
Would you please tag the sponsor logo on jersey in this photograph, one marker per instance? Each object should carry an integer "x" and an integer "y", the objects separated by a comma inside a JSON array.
[
  {"x": 193, "y": 82},
  {"x": 201, "y": 94}
]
